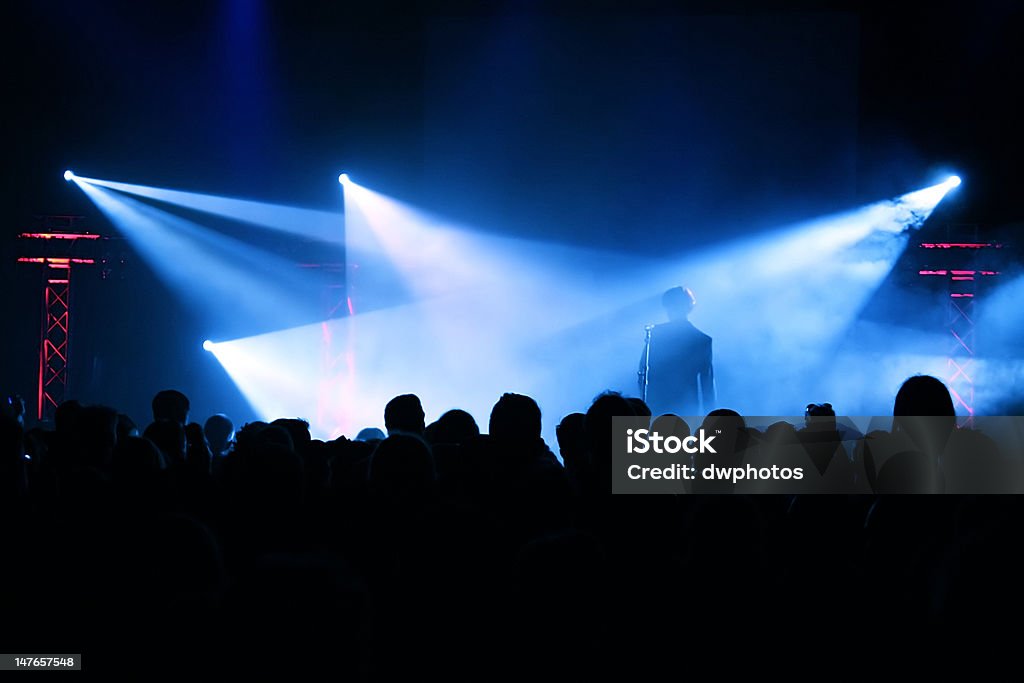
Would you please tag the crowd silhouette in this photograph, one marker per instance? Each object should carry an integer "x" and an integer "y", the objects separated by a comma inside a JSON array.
[{"x": 438, "y": 548}]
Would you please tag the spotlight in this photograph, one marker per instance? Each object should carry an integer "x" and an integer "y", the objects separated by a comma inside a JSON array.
[
  {"x": 208, "y": 345},
  {"x": 953, "y": 180},
  {"x": 68, "y": 175},
  {"x": 343, "y": 178}
]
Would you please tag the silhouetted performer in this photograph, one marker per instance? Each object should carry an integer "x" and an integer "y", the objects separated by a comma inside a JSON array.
[{"x": 677, "y": 361}]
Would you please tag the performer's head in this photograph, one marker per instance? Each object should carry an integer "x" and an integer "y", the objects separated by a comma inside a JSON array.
[{"x": 678, "y": 302}]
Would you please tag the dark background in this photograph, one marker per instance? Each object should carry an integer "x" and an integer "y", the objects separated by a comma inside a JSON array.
[{"x": 636, "y": 127}]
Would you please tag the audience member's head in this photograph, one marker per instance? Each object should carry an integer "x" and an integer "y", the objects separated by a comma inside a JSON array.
[
  {"x": 370, "y": 434},
  {"x": 248, "y": 436},
  {"x": 172, "y": 405},
  {"x": 923, "y": 410},
  {"x": 297, "y": 429},
  {"x": 571, "y": 435},
  {"x": 454, "y": 427},
  {"x": 781, "y": 432},
  {"x": 598, "y": 424},
  {"x": 671, "y": 425},
  {"x": 219, "y": 431},
  {"x": 404, "y": 414},
  {"x": 725, "y": 420},
  {"x": 65, "y": 418},
  {"x": 923, "y": 395},
  {"x": 730, "y": 430},
  {"x": 515, "y": 418},
  {"x": 275, "y": 434}
]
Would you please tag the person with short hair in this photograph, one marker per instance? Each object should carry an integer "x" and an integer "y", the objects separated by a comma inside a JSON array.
[{"x": 677, "y": 366}]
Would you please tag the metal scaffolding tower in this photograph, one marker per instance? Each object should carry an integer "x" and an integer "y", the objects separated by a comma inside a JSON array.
[
  {"x": 958, "y": 259},
  {"x": 53, "y": 244}
]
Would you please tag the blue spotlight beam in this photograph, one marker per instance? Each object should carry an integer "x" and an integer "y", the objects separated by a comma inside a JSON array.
[
  {"x": 278, "y": 373},
  {"x": 920, "y": 204},
  {"x": 216, "y": 274},
  {"x": 321, "y": 225}
]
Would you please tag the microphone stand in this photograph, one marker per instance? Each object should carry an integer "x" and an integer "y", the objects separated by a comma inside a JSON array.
[{"x": 647, "y": 362}]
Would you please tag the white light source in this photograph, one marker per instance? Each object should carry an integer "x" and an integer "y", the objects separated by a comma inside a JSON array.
[{"x": 68, "y": 175}]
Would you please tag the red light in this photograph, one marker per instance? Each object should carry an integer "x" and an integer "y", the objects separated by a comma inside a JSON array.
[
  {"x": 959, "y": 245},
  {"x": 55, "y": 262},
  {"x": 58, "y": 236}
]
